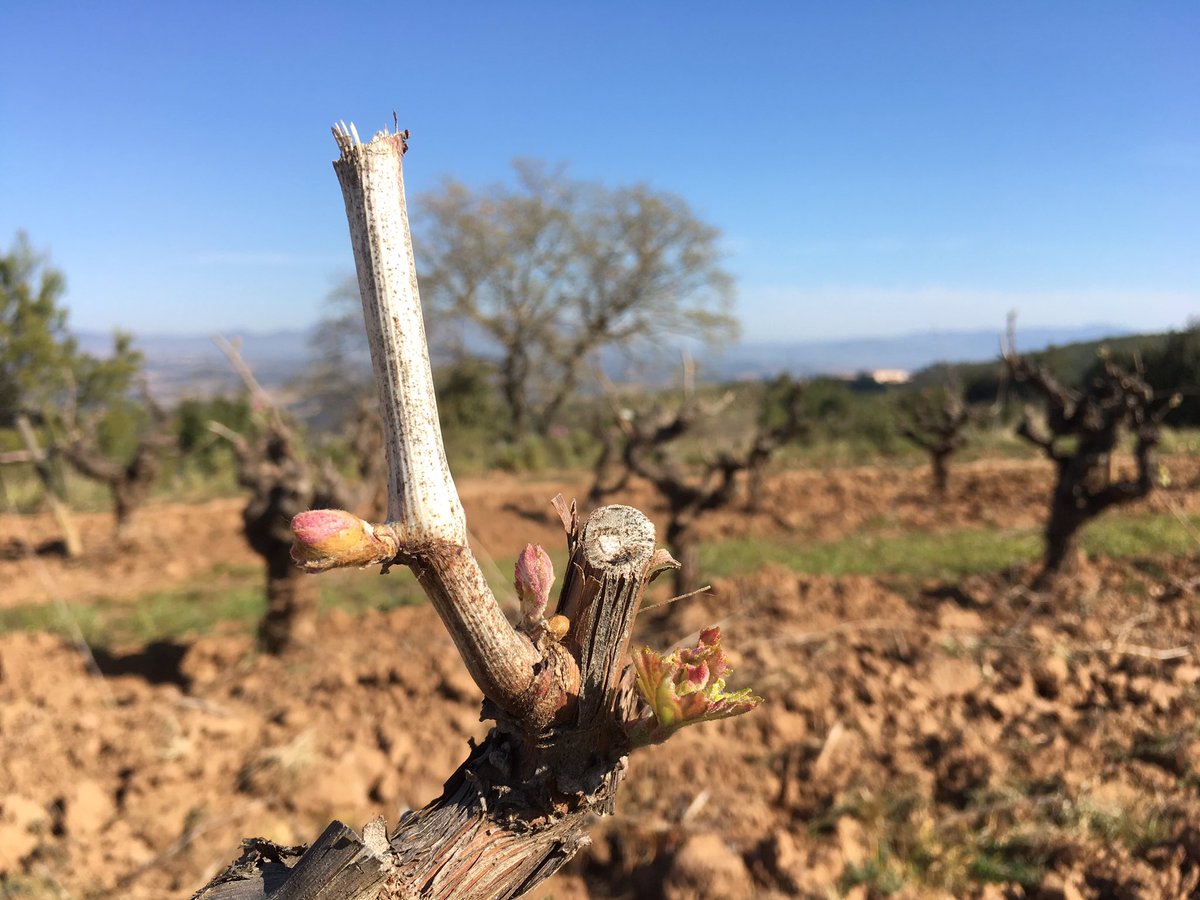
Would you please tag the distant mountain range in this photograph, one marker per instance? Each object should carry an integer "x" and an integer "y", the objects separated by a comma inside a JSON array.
[
  {"x": 192, "y": 365},
  {"x": 910, "y": 351}
]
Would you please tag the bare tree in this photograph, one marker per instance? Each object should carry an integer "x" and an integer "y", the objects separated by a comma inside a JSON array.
[
  {"x": 647, "y": 445},
  {"x": 129, "y": 481},
  {"x": 566, "y": 706},
  {"x": 937, "y": 421},
  {"x": 555, "y": 270},
  {"x": 39, "y": 459},
  {"x": 1079, "y": 435},
  {"x": 283, "y": 482}
]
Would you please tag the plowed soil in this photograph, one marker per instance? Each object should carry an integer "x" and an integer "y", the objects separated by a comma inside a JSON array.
[
  {"x": 974, "y": 739},
  {"x": 172, "y": 544}
]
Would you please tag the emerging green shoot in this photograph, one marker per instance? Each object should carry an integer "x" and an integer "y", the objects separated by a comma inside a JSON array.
[{"x": 684, "y": 687}]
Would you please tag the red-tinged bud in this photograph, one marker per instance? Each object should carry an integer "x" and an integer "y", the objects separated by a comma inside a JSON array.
[
  {"x": 334, "y": 538},
  {"x": 326, "y": 529},
  {"x": 533, "y": 577}
]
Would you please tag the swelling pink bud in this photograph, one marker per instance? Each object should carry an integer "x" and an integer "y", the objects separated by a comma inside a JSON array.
[
  {"x": 533, "y": 577},
  {"x": 334, "y": 538},
  {"x": 326, "y": 529}
]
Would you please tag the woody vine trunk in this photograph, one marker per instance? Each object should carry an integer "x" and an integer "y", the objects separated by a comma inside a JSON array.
[
  {"x": 1080, "y": 435},
  {"x": 559, "y": 689}
]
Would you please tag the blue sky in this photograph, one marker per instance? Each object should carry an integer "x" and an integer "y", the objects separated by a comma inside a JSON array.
[{"x": 875, "y": 168}]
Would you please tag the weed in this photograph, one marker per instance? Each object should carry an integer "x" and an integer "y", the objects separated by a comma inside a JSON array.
[
  {"x": 881, "y": 872},
  {"x": 1138, "y": 830},
  {"x": 1015, "y": 859}
]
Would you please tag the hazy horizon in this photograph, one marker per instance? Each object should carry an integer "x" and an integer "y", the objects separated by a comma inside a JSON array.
[{"x": 1115, "y": 328}]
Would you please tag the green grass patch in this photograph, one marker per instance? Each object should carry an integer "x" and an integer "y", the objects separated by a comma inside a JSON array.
[
  {"x": 161, "y": 615},
  {"x": 23, "y": 493},
  {"x": 181, "y": 482},
  {"x": 231, "y": 597},
  {"x": 916, "y": 554},
  {"x": 1125, "y": 537},
  {"x": 947, "y": 555},
  {"x": 1180, "y": 440}
]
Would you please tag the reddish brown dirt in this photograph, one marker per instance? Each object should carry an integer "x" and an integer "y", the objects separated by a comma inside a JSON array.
[
  {"x": 902, "y": 729},
  {"x": 918, "y": 737},
  {"x": 168, "y": 544}
]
